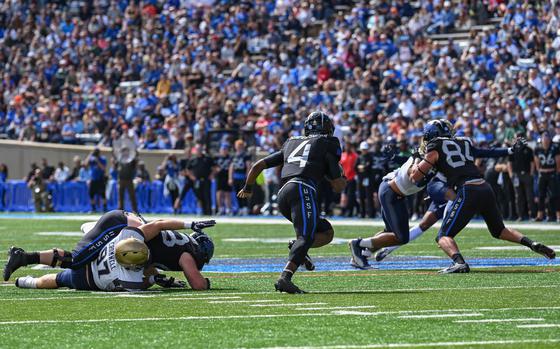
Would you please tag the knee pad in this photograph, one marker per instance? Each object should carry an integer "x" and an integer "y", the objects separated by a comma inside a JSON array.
[{"x": 64, "y": 261}]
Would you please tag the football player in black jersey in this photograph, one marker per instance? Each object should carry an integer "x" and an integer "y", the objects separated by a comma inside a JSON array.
[
  {"x": 167, "y": 248},
  {"x": 223, "y": 189},
  {"x": 453, "y": 157},
  {"x": 306, "y": 160},
  {"x": 547, "y": 163}
]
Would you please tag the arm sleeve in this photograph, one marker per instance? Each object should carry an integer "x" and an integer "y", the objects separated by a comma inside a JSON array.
[
  {"x": 333, "y": 168},
  {"x": 490, "y": 153},
  {"x": 274, "y": 159}
]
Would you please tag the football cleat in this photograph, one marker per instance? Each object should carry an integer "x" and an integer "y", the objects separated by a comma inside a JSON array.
[
  {"x": 285, "y": 285},
  {"x": 16, "y": 259},
  {"x": 307, "y": 263},
  {"x": 544, "y": 250},
  {"x": 384, "y": 252},
  {"x": 456, "y": 268},
  {"x": 358, "y": 260}
]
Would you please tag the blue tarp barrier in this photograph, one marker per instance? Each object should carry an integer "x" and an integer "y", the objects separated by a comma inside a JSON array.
[{"x": 74, "y": 197}]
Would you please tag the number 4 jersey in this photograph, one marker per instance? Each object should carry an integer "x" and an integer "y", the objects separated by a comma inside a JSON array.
[
  {"x": 455, "y": 159},
  {"x": 310, "y": 157},
  {"x": 108, "y": 274}
]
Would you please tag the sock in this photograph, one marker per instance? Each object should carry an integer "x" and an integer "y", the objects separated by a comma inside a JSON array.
[
  {"x": 287, "y": 274},
  {"x": 26, "y": 282},
  {"x": 415, "y": 232},
  {"x": 367, "y": 243},
  {"x": 457, "y": 258},
  {"x": 32, "y": 258},
  {"x": 526, "y": 242}
]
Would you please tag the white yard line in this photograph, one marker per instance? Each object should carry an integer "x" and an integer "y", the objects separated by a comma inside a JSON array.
[
  {"x": 217, "y": 317},
  {"x": 340, "y": 307},
  {"x": 198, "y": 298},
  {"x": 284, "y": 304},
  {"x": 421, "y": 345},
  {"x": 538, "y": 326},
  {"x": 248, "y": 301},
  {"x": 435, "y": 316},
  {"x": 497, "y": 320}
]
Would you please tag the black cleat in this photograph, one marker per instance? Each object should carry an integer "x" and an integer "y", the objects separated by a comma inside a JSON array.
[
  {"x": 16, "y": 259},
  {"x": 285, "y": 285},
  {"x": 544, "y": 250},
  {"x": 456, "y": 268},
  {"x": 384, "y": 252},
  {"x": 307, "y": 263}
]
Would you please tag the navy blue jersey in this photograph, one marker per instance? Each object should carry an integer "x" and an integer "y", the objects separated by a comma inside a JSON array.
[
  {"x": 312, "y": 157},
  {"x": 547, "y": 158},
  {"x": 456, "y": 160},
  {"x": 168, "y": 246}
]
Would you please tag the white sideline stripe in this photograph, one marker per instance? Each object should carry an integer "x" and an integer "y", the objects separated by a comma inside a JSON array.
[
  {"x": 430, "y": 316},
  {"x": 198, "y": 298},
  {"x": 340, "y": 307},
  {"x": 497, "y": 320},
  {"x": 248, "y": 301},
  {"x": 59, "y": 233},
  {"x": 421, "y": 345},
  {"x": 280, "y": 220},
  {"x": 284, "y": 304},
  {"x": 228, "y": 317},
  {"x": 538, "y": 326}
]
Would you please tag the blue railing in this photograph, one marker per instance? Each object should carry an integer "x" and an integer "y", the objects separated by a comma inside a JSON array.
[{"x": 74, "y": 197}]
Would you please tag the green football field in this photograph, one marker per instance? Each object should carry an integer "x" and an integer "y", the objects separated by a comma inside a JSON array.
[{"x": 404, "y": 304}]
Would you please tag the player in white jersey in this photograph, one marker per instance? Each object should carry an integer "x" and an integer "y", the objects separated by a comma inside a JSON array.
[
  {"x": 110, "y": 271},
  {"x": 394, "y": 188}
]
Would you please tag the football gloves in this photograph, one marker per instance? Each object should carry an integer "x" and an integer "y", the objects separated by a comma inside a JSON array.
[
  {"x": 519, "y": 144},
  {"x": 168, "y": 282},
  {"x": 198, "y": 226}
]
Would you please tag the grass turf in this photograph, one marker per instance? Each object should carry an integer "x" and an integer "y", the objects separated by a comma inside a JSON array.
[{"x": 376, "y": 308}]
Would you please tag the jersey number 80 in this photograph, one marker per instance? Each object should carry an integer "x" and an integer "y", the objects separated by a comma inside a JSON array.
[{"x": 454, "y": 156}]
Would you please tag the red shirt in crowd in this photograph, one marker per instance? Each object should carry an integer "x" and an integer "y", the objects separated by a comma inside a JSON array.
[{"x": 348, "y": 162}]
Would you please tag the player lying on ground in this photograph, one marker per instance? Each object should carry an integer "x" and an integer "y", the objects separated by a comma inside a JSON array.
[
  {"x": 105, "y": 230},
  {"x": 306, "y": 160},
  {"x": 393, "y": 190},
  {"x": 440, "y": 194},
  {"x": 452, "y": 156}
]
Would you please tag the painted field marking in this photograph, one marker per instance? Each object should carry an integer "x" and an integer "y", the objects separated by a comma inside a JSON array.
[
  {"x": 430, "y": 316},
  {"x": 510, "y": 248},
  {"x": 538, "y": 326},
  {"x": 340, "y": 307},
  {"x": 497, "y": 320},
  {"x": 59, "y": 233},
  {"x": 352, "y": 312},
  {"x": 216, "y": 317},
  {"x": 248, "y": 301},
  {"x": 421, "y": 345},
  {"x": 284, "y": 304},
  {"x": 199, "y": 298}
]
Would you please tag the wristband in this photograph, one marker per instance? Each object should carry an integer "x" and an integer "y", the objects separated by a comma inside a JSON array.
[
  {"x": 187, "y": 224},
  {"x": 510, "y": 151},
  {"x": 207, "y": 283}
]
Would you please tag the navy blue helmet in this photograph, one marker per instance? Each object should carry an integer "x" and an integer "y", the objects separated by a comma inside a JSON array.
[
  {"x": 205, "y": 248},
  {"x": 318, "y": 123},
  {"x": 435, "y": 129}
]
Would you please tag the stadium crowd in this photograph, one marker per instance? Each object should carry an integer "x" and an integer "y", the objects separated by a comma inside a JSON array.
[{"x": 175, "y": 74}]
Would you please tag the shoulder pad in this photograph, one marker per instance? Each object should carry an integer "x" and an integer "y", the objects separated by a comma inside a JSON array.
[{"x": 433, "y": 144}]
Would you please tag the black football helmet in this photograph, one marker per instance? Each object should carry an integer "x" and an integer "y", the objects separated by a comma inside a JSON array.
[
  {"x": 205, "y": 248},
  {"x": 318, "y": 123}
]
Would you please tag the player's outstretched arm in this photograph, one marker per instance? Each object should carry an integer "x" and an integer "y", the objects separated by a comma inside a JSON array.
[
  {"x": 420, "y": 170},
  {"x": 193, "y": 275},
  {"x": 153, "y": 228},
  {"x": 273, "y": 160}
]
